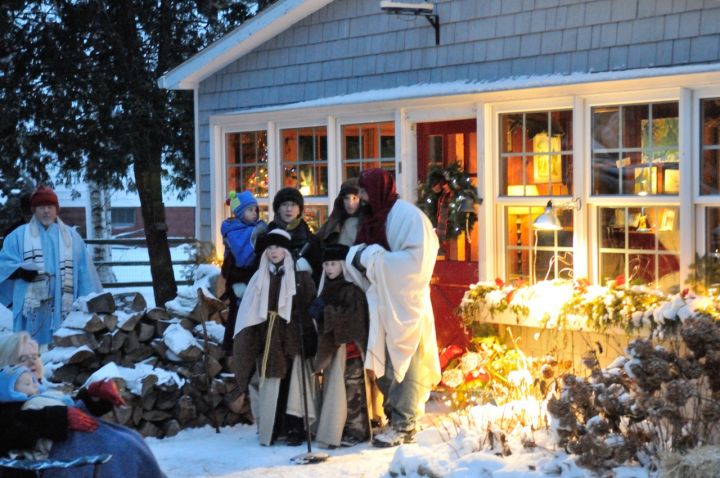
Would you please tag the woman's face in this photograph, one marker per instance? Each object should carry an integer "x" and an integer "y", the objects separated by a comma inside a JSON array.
[
  {"x": 29, "y": 356},
  {"x": 332, "y": 269},
  {"x": 351, "y": 203}
]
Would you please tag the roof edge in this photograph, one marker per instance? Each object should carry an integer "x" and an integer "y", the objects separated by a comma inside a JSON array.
[{"x": 245, "y": 38}]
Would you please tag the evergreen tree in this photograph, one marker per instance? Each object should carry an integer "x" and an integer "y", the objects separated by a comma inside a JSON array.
[{"x": 78, "y": 89}]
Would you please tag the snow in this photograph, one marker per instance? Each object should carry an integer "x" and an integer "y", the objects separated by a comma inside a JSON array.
[
  {"x": 133, "y": 377},
  {"x": 235, "y": 452},
  {"x": 179, "y": 339}
]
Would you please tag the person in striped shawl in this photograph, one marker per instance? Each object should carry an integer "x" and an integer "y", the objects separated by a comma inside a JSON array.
[{"x": 44, "y": 267}]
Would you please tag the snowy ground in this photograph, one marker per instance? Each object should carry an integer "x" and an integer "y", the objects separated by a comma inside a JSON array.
[{"x": 235, "y": 452}]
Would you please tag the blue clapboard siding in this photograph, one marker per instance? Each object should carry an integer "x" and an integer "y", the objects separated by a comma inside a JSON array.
[{"x": 351, "y": 46}]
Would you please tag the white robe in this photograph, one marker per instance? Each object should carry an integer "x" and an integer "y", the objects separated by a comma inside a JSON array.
[{"x": 401, "y": 315}]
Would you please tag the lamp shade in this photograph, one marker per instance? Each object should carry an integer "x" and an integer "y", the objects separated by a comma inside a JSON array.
[{"x": 547, "y": 221}]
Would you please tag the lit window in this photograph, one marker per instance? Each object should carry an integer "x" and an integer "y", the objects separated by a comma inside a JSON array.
[
  {"x": 305, "y": 160},
  {"x": 536, "y": 154},
  {"x": 367, "y": 146},
  {"x": 534, "y": 255},
  {"x": 710, "y": 164},
  {"x": 635, "y": 149},
  {"x": 247, "y": 162},
  {"x": 641, "y": 245}
]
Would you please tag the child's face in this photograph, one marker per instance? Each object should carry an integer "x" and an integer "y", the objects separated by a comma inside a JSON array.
[
  {"x": 250, "y": 214},
  {"x": 351, "y": 203},
  {"x": 289, "y": 211},
  {"x": 26, "y": 384},
  {"x": 332, "y": 269},
  {"x": 275, "y": 254}
]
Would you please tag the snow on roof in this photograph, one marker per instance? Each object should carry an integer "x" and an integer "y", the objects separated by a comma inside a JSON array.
[
  {"x": 239, "y": 42},
  {"x": 466, "y": 87}
]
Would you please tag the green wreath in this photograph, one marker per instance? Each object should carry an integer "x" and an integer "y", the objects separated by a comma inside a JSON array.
[{"x": 463, "y": 196}]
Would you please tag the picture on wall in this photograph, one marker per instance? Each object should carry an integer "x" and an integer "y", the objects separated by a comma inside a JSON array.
[{"x": 547, "y": 167}]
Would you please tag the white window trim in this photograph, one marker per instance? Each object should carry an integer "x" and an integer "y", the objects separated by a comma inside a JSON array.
[
  {"x": 498, "y": 202},
  {"x": 681, "y": 201}
]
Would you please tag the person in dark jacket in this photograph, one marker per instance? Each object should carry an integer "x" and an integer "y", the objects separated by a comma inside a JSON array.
[
  {"x": 272, "y": 318},
  {"x": 346, "y": 216},
  {"x": 341, "y": 312},
  {"x": 288, "y": 206},
  {"x": 240, "y": 261}
]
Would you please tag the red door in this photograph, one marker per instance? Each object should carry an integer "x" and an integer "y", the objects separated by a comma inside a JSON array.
[{"x": 457, "y": 264}]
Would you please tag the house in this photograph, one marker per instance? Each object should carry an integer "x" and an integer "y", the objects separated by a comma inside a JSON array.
[{"x": 610, "y": 109}]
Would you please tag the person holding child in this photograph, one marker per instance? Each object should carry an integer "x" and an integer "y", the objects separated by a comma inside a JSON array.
[
  {"x": 240, "y": 262},
  {"x": 341, "y": 312},
  {"x": 272, "y": 318},
  {"x": 73, "y": 431},
  {"x": 288, "y": 205}
]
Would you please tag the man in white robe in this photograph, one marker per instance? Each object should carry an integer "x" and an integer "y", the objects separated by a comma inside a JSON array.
[
  {"x": 396, "y": 252},
  {"x": 44, "y": 267}
]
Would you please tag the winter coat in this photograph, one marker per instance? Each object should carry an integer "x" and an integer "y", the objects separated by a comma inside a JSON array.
[
  {"x": 20, "y": 429},
  {"x": 341, "y": 228},
  {"x": 300, "y": 236},
  {"x": 250, "y": 342},
  {"x": 344, "y": 320},
  {"x": 239, "y": 238}
]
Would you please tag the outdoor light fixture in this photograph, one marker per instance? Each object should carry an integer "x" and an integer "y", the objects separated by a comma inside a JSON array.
[
  {"x": 425, "y": 9},
  {"x": 548, "y": 220}
]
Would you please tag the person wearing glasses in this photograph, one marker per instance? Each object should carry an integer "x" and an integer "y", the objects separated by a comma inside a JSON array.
[{"x": 74, "y": 430}]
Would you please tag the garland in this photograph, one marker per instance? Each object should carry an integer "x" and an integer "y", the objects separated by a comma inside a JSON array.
[{"x": 460, "y": 194}]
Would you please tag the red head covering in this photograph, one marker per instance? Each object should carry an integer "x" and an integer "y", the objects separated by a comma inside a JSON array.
[
  {"x": 380, "y": 187},
  {"x": 44, "y": 196}
]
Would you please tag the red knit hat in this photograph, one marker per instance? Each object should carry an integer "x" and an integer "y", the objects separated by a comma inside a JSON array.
[{"x": 44, "y": 196}]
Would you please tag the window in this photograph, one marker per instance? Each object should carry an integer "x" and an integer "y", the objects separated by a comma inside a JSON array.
[
  {"x": 536, "y": 160},
  {"x": 122, "y": 216},
  {"x": 536, "y": 153},
  {"x": 305, "y": 160},
  {"x": 247, "y": 159},
  {"x": 642, "y": 245},
  {"x": 635, "y": 149},
  {"x": 710, "y": 145},
  {"x": 366, "y": 146},
  {"x": 534, "y": 254}
]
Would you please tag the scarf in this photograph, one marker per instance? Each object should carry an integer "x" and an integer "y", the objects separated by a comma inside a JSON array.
[
  {"x": 253, "y": 308},
  {"x": 380, "y": 187},
  {"x": 38, "y": 290}
]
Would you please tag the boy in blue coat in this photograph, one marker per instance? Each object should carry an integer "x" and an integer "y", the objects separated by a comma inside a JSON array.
[{"x": 240, "y": 262}]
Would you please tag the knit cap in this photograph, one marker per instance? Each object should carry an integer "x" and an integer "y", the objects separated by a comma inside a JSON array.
[
  {"x": 238, "y": 202},
  {"x": 288, "y": 194},
  {"x": 8, "y": 376},
  {"x": 276, "y": 237},
  {"x": 44, "y": 196}
]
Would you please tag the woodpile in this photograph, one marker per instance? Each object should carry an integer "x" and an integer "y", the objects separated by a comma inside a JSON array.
[{"x": 172, "y": 374}]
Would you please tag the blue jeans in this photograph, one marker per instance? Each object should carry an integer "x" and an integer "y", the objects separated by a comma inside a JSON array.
[{"x": 401, "y": 399}]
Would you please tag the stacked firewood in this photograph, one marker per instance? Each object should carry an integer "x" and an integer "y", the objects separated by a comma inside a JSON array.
[{"x": 169, "y": 363}]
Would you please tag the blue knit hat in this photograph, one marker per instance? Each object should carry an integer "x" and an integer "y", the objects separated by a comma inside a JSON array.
[
  {"x": 8, "y": 376},
  {"x": 238, "y": 202}
]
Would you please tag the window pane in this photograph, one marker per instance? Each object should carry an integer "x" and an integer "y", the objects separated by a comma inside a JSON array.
[
  {"x": 712, "y": 248},
  {"x": 315, "y": 216},
  {"x": 304, "y": 154},
  {"x": 531, "y": 159},
  {"x": 535, "y": 254},
  {"x": 366, "y": 146},
  {"x": 606, "y": 128},
  {"x": 710, "y": 164},
  {"x": 653, "y": 242},
  {"x": 247, "y": 162},
  {"x": 645, "y": 160}
]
